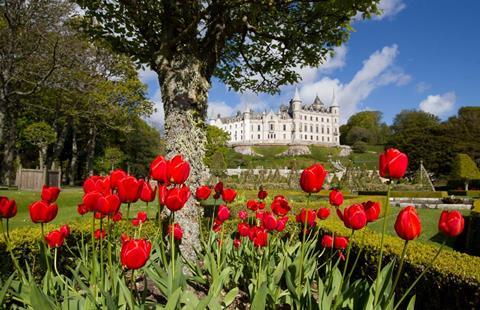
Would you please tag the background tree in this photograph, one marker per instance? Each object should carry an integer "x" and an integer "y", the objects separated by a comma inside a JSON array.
[
  {"x": 40, "y": 135},
  {"x": 216, "y": 143},
  {"x": 365, "y": 126},
  {"x": 465, "y": 169}
]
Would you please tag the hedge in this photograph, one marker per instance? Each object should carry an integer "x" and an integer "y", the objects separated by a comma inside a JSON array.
[{"x": 408, "y": 194}]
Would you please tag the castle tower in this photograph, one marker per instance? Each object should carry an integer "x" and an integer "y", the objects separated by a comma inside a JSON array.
[
  {"x": 334, "y": 107},
  {"x": 246, "y": 124}
]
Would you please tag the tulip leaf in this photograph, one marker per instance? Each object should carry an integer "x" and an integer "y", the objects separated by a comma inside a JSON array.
[
  {"x": 260, "y": 298},
  {"x": 5, "y": 288},
  {"x": 173, "y": 299},
  {"x": 230, "y": 296},
  {"x": 411, "y": 304},
  {"x": 38, "y": 299}
]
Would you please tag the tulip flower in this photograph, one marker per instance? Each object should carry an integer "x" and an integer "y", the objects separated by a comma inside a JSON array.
[
  {"x": 65, "y": 230},
  {"x": 129, "y": 189},
  {"x": 90, "y": 200},
  {"x": 8, "y": 207},
  {"x": 252, "y": 205},
  {"x": 243, "y": 229},
  {"x": 242, "y": 214},
  {"x": 312, "y": 178},
  {"x": 269, "y": 221},
  {"x": 42, "y": 212},
  {"x": 178, "y": 170},
  {"x": 82, "y": 209},
  {"x": 323, "y": 213},
  {"x": 115, "y": 177},
  {"x": 327, "y": 241},
  {"x": 407, "y": 225},
  {"x": 281, "y": 223},
  {"x": 353, "y": 217},
  {"x": 306, "y": 215},
  {"x": 393, "y": 164},
  {"x": 142, "y": 216},
  {"x": 55, "y": 238},
  {"x": 147, "y": 193},
  {"x": 217, "y": 225},
  {"x": 451, "y": 223},
  {"x": 103, "y": 186},
  {"x": 237, "y": 243},
  {"x": 158, "y": 170},
  {"x": 177, "y": 231},
  {"x": 228, "y": 195},
  {"x": 259, "y": 215},
  {"x": 262, "y": 194},
  {"x": 99, "y": 215},
  {"x": 135, "y": 253},
  {"x": 340, "y": 243},
  {"x": 260, "y": 239},
  {"x": 203, "y": 192},
  {"x": 90, "y": 184},
  {"x": 99, "y": 234},
  {"x": 162, "y": 194},
  {"x": 117, "y": 217},
  {"x": 177, "y": 197},
  {"x": 372, "y": 209},
  {"x": 280, "y": 206},
  {"x": 223, "y": 213},
  {"x": 108, "y": 205},
  {"x": 260, "y": 205},
  {"x": 218, "y": 188},
  {"x": 336, "y": 198},
  {"x": 50, "y": 193}
]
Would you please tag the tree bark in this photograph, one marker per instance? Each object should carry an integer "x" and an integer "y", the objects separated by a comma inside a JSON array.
[
  {"x": 7, "y": 173},
  {"x": 74, "y": 159},
  {"x": 91, "y": 148},
  {"x": 58, "y": 147},
  {"x": 184, "y": 94}
]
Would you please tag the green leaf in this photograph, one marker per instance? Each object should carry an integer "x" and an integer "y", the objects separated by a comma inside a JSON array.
[
  {"x": 411, "y": 304},
  {"x": 260, "y": 298},
  {"x": 39, "y": 300},
  {"x": 230, "y": 297},
  {"x": 173, "y": 300},
  {"x": 5, "y": 288}
]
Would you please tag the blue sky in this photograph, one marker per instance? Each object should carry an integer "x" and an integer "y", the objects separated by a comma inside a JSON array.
[{"x": 419, "y": 54}]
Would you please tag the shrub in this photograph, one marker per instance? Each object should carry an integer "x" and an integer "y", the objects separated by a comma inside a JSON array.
[
  {"x": 359, "y": 147},
  {"x": 408, "y": 194}
]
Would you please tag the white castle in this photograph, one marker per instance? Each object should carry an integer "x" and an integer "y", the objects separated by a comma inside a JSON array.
[{"x": 293, "y": 125}]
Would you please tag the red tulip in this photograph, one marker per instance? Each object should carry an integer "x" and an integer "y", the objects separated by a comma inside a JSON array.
[
  {"x": 219, "y": 188},
  {"x": 129, "y": 189},
  {"x": 407, "y": 225},
  {"x": 372, "y": 209},
  {"x": 312, "y": 178},
  {"x": 223, "y": 213},
  {"x": 103, "y": 186},
  {"x": 280, "y": 206},
  {"x": 393, "y": 164},
  {"x": 135, "y": 222},
  {"x": 323, "y": 213},
  {"x": 142, "y": 216},
  {"x": 340, "y": 243},
  {"x": 50, "y": 194},
  {"x": 327, "y": 241},
  {"x": 162, "y": 194},
  {"x": 451, "y": 223},
  {"x": 99, "y": 234},
  {"x": 177, "y": 231},
  {"x": 336, "y": 198},
  {"x": 269, "y": 221},
  {"x": 259, "y": 215},
  {"x": 178, "y": 170},
  {"x": 243, "y": 229},
  {"x": 158, "y": 170},
  {"x": 42, "y": 212},
  {"x": 306, "y": 215},
  {"x": 228, "y": 195},
  {"x": 55, "y": 238},
  {"x": 242, "y": 214},
  {"x": 353, "y": 217},
  {"x": 115, "y": 177},
  {"x": 237, "y": 243},
  {"x": 203, "y": 192},
  {"x": 108, "y": 205},
  {"x": 281, "y": 223},
  {"x": 90, "y": 200},
  {"x": 260, "y": 239},
  {"x": 147, "y": 193},
  {"x": 99, "y": 215},
  {"x": 65, "y": 230},
  {"x": 8, "y": 207},
  {"x": 217, "y": 225},
  {"x": 90, "y": 184},
  {"x": 252, "y": 205},
  {"x": 82, "y": 209},
  {"x": 262, "y": 194},
  {"x": 135, "y": 253},
  {"x": 177, "y": 197},
  {"x": 117, "y": 217}
]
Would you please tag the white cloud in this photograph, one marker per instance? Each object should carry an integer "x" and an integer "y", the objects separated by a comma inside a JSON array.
[
  {"x": 338, "y": 61},
  {"x": 148, "y": 76},
  {"x": 219, "y": 107},
  {"x": 439, "y": 105},
  {"x": 157, "y": 119},
  {"x": 377, "y": 71},
  {"x": 390, "y": 8},
  {"x": 422, "y": 87}
]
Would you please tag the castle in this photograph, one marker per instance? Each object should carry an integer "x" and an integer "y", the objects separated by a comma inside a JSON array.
[{"x": 295, "y": 124}]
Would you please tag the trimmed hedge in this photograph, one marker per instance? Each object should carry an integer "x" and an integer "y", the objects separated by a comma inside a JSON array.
[
  {"x": 453, "y": 282},
  {"x": 408, "y": 194}
]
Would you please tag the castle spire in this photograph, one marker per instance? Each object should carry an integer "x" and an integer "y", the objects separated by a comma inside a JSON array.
[
  {"x": 296, "y": 97},
  {"x": 334, "y": 99}
]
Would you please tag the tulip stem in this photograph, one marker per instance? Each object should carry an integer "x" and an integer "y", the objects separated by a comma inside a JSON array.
[
  {"x": 160, "y": 228},
  {"x": 10, "y": 250},
  {"x": 420, "y": 276},
  {"x": 342, "y": 281},
  {"x": 380, "y": 256},
  {"x": 94, "y": 258},
  {"x": 45, "y": 248},
  {"x": 8, "y": 231},
  {"x": 128, "y": 211},
  {"x": 400, "y": 267},
  {"x": 172, "y": 245},
  {"x": 102, "y": 267},
  {"x": 109, "y": 249},
  {"x": 303, "y": 239}
]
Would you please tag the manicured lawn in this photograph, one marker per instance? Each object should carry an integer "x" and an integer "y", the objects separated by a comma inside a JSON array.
[{"x": 269, "y": 150}]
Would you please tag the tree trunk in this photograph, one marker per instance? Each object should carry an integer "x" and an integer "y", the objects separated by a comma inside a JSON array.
[
  {"x": 184, "y": 95},
  {"x": 74, "y": 159},
  {"x": 91, "y": 148},
  {"x": 7, "y": 173},
  {"x": 42, "y": 152},
  {"x": 466, "y": 186},
  {"x": 58, "y": 147}
]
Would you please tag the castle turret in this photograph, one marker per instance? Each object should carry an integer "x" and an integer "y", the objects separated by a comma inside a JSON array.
[{"x": 334, "y": 107}]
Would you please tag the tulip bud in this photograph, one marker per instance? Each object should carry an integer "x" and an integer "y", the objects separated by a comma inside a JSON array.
[
  {"x": 407, "y": 225},
  {"x": 393, "y": 164},
  {"x": 82, "y": 209},
  {"x": 135, "y": 253},
  {"x": 451, "y": 223},
  {"x": 178, "y": 170},
  {"x": 177, "y": 197},
  {"x": 42, "y": 212},
  {"x": 237, "y": 243},
  {"x": 223, "y": 213},
  {"x": 269, "y": 221},
  {"x": 50, "y": 194},
  {"x": 243, "y": 229},
  {"x": 55, "y": 238},
  {"x": 228, "y": 195},
  {"x": 336, "y": 198},
  {"x": 129, "y": 189},
  {"x": 158, "y": 170},
  {"x": 327, "y": 241},
  {"x": 203, "y": 192},
  {"x": 242, "y": 214},
  {"x": 372, "y": 209},
  {"x": 280, "y": 206},
  {"x": 312, "y": 178},
  {"x": 177, "y": 231},
  {"x": 262, "y": 194},
  {"x": 323, "y": 213},
  {"x": 117, "y": 217},
  {"x": 8, "y": 207},
  {"x": 340, "y": 243},
  {"x": 147, "y": 193},
  {"x": 99, "y": 234},
  {"x": 115, "y": 177},
  {"x": 65, "y": 230},
  {"x": 354, "y": 217}
]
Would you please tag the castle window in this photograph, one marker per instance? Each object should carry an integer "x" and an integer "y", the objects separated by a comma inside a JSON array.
[
  {"x": 316, "y": 118},
  {"x": 328, "y": 139},
  {"x": 284, "y": 127},
  {"x": 328, "y": 120},
  {"x": 322, "y": 119},
  {"x": 311, "y": 137},
  {"x": 317, "y": 138},
  {"x": 271, "y": 126},
  {"x": 311, "y": 118},
  {"x": 258, "y": 137},
  {"x": 328, "y": 130},
  {"x": 258, "y": 127},
  {"x": 323, "y": 139},
  {"x": 311, "y": 128},
  {"x": 323, "y": 130},
  {"x": 306, "y": 128},
  {"x": 284, "y": 136},
  {"x": 316, "y": 128}
]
